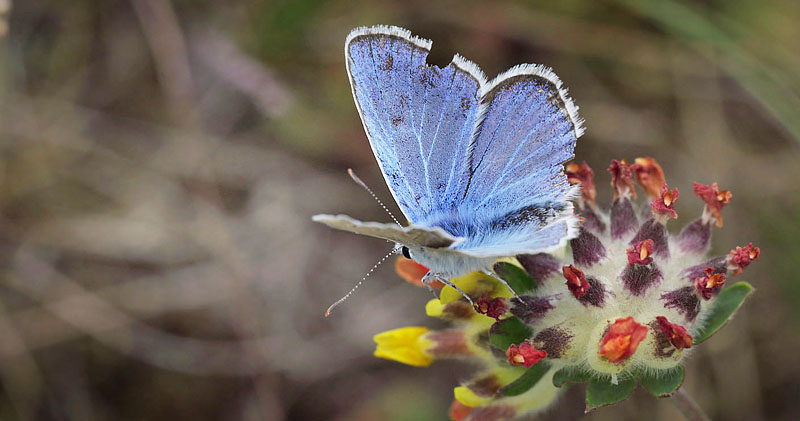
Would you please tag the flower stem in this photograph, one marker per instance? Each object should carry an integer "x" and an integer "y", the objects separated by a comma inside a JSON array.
[{"x": 688, "y": 406}]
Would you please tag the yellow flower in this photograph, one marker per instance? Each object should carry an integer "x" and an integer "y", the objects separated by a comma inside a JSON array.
[
  {"x": 469, "y": 398},
  {"x": 406, "y": 345},
  {"x": 474, "y": 284}
]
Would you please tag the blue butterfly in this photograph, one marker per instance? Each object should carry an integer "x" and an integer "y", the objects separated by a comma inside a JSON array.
[{"x": 476, "y": 166}]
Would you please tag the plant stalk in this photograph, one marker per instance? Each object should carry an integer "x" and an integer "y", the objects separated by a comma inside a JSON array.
[{"x": 688, "y": 406}]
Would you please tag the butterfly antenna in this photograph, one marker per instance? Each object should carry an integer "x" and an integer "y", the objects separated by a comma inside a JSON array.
[
  {"x": 341, "y": 300},
  {"x": 364, "y": 185}
]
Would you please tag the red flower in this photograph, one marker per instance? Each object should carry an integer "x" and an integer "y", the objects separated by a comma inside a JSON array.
[
  {"x": 583, "y": 175},
  {"x": 649, "y": 175},
  {"x": 740, "y": 258},
  {"x": 641, "y": 253},
  {"x": 677, "y": 335},
  {"x": 576, "y": 281},
  {"x": 622, "y": 339},
  {"x": 714, "y": 198},
  {"x": 492, "y": 307},
  {"x": 708, "y": 284},
  {"x": 525, "y": 354},
  {"x": 664, "y": 205},
  {"x": 621, "y": 179},
  {"x": 412, "y": 272},
  {"x": 459, "y": 411}
]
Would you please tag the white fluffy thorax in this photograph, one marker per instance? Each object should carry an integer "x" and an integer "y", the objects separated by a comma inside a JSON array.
[{"x": 450, "y": 263}]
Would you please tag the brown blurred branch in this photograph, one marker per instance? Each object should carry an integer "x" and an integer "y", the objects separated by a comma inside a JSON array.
[
  {"x": 162, "y": 30},
  {"x": 241, "y": 71},
  {"x": 91, "y": 314},
  {"x": 688, "y": 406}
]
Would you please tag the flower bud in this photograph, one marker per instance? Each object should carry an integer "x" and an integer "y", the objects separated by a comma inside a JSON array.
[
  {"x": 676, "y": 334},
  {"x": 576, "y": 281},
  {"x": 715, "y": 201},
  {"x": 492, "y": 307},
  {"x": 525, "y": 354},
  {"x": 709, "y": 284}
]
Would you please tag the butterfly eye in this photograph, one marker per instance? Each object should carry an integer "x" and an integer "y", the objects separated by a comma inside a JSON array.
[{"x": 405, "y": 252}]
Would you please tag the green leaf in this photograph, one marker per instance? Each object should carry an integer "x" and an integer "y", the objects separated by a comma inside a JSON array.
[
  {"x": 516, "y": 277},
  {"x": 602, "y": 392},
  {"x": 507, "y": 332},
  {"x": 569, "y": 375},
  {"x": 725, "y": 305},
  {"x": 527, "y": 380},
  {"x": 663, "y": 383}
]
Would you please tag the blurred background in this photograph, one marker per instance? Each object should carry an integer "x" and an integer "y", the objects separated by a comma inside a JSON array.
[{"x": 160, "y": 161}]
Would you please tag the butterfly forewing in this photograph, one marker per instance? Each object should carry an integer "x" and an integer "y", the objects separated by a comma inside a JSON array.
[{"x": 419, "y": 118}]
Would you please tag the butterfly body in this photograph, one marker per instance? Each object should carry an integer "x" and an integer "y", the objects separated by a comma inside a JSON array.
[{"x": 476, "y": 166}]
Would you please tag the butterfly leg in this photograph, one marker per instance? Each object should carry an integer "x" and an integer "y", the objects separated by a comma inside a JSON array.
[
  {"x": 430, "y": 277},
  {"x": 427, "y": 280},
  {"x": 502, "y": 281}
]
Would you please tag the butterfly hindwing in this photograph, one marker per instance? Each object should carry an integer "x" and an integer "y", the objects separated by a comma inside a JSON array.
[
  {"x": 521, "y": 240},
  {"x": 419, "y": 118},
  {"x": 517, "y": 193},
  {"x": 528, "y": 130}
]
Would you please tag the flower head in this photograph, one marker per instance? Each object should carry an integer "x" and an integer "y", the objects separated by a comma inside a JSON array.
[{"x": 639, "y": 296}]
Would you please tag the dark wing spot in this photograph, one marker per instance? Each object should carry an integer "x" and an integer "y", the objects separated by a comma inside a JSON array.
[
  {"x": 397, "y": 121},
  {"x": 465, "y": 106},
  {"x": 387, "y": 64}
]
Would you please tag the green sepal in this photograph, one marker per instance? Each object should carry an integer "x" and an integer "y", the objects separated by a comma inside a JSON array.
[
  {"x": 724, "y": 307},
  {"x": 601, "y": 392},
  {"x": 516, "y": 277},
  {"x": 527, "y": 380},
  {"x": 509, "y": 331},
  {"x": 570, "y": 375},
  {"x": 663, "y": 383}
]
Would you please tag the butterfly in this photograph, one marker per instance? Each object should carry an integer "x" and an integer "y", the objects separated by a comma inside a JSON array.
[{"x": 476, "y": 166}]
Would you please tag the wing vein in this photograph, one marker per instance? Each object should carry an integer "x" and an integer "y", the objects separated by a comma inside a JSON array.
[
  {"x": 511, "y": 159},
  {"x": 383, "y": 104},
  {"x": 439, "y": 125},
  {"x": 411, "y": 96},
  {"x": 455, "y": 161},
  {"x": 491, "y": 141}
]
